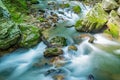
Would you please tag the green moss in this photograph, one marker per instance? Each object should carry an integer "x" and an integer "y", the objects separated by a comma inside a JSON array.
[
  {"x": 113, "y": 30},
  {"x": 34, "y": 1},
  {"x": 78, "y": 25},
  {"x": 18, "y": 5},
  {"x": 30, "y": 36},
  {"x": 17, "y": 9},
  {"x": 113, "y": 24},
  {"x": 65, "y": 5},
  {"x": 41, "y": 19},
  {"x": 76, "y": 9}
]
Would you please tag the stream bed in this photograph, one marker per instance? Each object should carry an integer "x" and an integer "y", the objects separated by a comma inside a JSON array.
[{"x": 92, "y": 61}]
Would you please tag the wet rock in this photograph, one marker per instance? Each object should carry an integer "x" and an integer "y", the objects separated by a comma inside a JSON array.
[
  {"x": 109, "y": 4},
  {"x": 46, "y": 42},
  {"x": 55, "y": 72},
  {"x": 58, "y": 41},
  {"x": 30, "y": 35},
  {"x": 58, "y": 77},
  {"x": 94, "y": 21},
  {"x": 58, "y": 61},
  {"x": 48, "y": 20},
  {"x": 91, "y": 37},
  {"x": 52, "y": 52},
  {"x": 72, "y": 50},
  {"x": 77, "y": 9},
  {"x": 72, "y": 47},
  {"x": 51, "y": 3},
  {"x": 113, "y": 24},
  {"x": 9, "y": 34}
]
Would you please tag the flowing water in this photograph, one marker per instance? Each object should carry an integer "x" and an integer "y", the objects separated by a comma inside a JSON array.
[{"x": 100, "y": 60}]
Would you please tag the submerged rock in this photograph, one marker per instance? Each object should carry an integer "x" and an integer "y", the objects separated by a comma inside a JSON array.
[
  {"x": 82, "y": 36},
  {"x": 52, "y": 52},
  {"x": 72, "y": 50},
  {"x": 72, "y": 47},
  {"x": 113, "y": 25},
  {"x": 58, "y": 77},
  {"x": 9, "y": 34},
  {"x": 109, "y": 4},
  {"x": 30, "y": 35},
  {"x": 58, "y": 41},
  {"x": 94, "y": 21}
]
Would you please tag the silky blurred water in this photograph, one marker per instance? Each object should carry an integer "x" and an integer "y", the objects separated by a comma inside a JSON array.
[{"x": 100, "y": 59}]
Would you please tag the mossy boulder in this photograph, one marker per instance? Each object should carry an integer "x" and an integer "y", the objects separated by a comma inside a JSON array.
[
  {"x": 30, "y": 35},
  {"x": 77, "y": 9},
  {"x": 94, "y": 21},
  {"x": 52, "y": 52},
  {"x": 113, "y": 24},
  {"x": 109, "y": 5},
  {"x": 58, "y": 41},
  {"x": 9, "y": 34}
]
